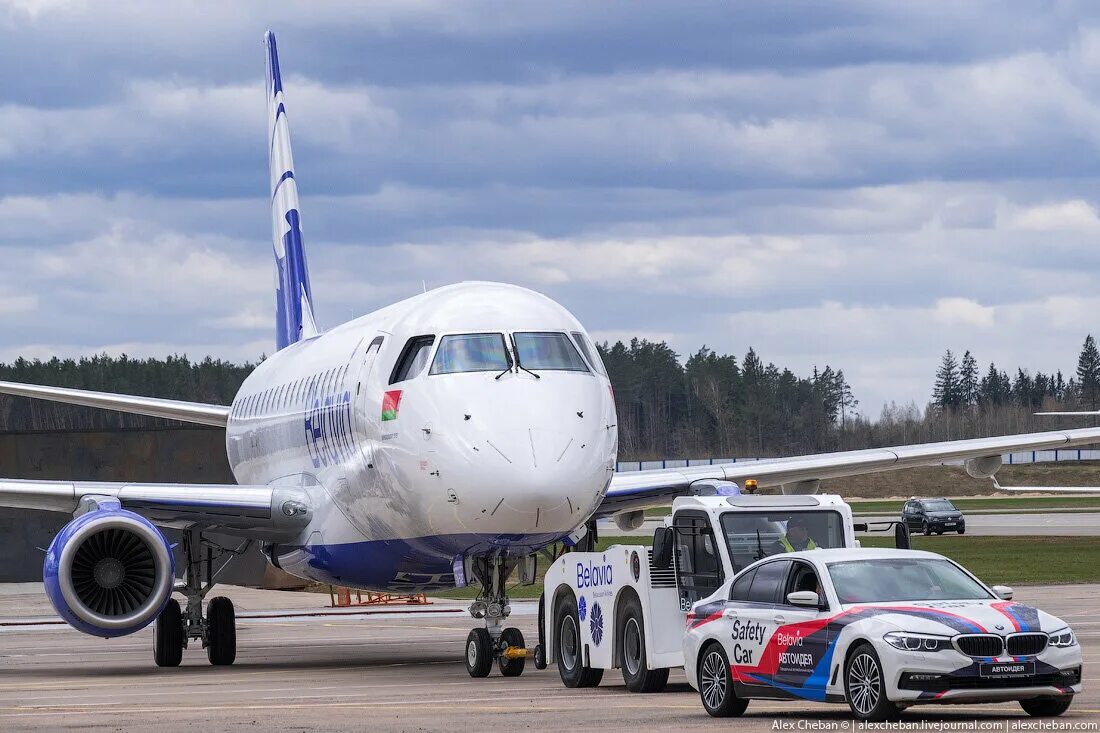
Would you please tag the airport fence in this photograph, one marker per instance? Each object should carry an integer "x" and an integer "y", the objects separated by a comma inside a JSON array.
[{"x": 1009, "y": 459}]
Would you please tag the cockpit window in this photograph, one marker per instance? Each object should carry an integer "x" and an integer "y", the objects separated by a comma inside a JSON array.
[
  {"x": 548, "y": 351},
  {"x": 414, "y": 357},
  {"x": 590, "y": 354},
  {"x": 471, "y": 352}
]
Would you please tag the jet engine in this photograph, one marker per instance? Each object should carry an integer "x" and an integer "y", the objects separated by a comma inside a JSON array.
[{"x": 109, "y": 572}]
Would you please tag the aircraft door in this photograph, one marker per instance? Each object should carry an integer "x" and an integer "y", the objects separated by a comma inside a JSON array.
[{"x": 365, "y": 417}]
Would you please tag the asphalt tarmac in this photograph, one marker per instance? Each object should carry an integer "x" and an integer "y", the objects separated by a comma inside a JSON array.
[{"x": 303, "y": 667}]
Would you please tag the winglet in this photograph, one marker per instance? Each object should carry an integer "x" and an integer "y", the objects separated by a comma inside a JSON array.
[{"x": 294, "y": 297}]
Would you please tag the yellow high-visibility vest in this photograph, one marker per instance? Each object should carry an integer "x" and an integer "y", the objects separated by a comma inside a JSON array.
[{"x": 788, "y": 547}]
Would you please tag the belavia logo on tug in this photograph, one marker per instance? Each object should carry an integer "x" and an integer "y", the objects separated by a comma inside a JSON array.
[{"x": 592, "y": 576}]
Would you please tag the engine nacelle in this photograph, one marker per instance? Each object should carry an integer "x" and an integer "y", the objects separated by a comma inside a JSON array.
[
  {"x": 109, "y": 572},
  {"x": 983, "y": 467}
]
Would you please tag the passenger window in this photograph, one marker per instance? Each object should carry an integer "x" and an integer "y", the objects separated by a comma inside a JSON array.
[
  {"x": 698, "y": 564},
  {"x": 471, "y": 352},
  {"x": 765, "y": 586},
  {"x": 740, "y": 589},
  {"x": 413, "y": 359}
]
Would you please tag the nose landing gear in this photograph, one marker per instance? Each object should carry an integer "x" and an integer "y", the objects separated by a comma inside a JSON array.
[{"x": 495, "y": 642}]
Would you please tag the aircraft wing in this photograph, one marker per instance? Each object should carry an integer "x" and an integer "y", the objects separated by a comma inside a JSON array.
[
  {"x": 264, "y": 512},
  {"x": 1054, "y": 489},
  {"x": 193, "y": 412},
  {"x": 632, "y": 490}
]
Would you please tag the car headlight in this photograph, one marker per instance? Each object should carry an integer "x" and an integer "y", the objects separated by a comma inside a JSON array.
[
  {"x": 909, "y": 642},
  {"x": 1063, "y": 638}
]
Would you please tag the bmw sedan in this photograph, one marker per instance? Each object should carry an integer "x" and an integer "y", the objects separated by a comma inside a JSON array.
[{"x": 880, "y": 630}]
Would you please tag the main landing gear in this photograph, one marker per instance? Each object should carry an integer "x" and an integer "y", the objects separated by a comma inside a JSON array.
[
  {"x": 217, "y": 630},
  {"x": 496, "y": 642}
]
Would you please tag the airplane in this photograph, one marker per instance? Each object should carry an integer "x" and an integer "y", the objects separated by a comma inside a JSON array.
[{"x": 438, "y": 442}]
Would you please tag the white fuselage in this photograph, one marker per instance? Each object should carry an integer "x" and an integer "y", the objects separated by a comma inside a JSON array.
[{"x": 468, "y": 463}]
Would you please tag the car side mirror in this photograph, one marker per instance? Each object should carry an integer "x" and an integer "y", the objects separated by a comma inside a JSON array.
[
  {"x": 806, "y": 598},
  {"x": 662, "y": 548},
  {"x": 1003, "y": 592}
]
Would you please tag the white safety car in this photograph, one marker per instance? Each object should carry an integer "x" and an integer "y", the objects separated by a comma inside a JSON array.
[{"x": 878, "y": 629}]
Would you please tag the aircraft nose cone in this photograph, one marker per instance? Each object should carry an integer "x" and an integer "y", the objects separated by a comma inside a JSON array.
[{"x": 535, "y": 479}]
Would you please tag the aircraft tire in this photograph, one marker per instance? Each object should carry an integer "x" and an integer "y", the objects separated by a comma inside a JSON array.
[
  {"x": 221, "y": 631},
  {"x": 511, "y": 667},
  {"x": 479, "y": 653},
  {"x": 168, "y": 636}
]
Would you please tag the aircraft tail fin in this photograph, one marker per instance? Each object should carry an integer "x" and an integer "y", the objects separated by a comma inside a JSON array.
[{"x": 293, "y": 297}]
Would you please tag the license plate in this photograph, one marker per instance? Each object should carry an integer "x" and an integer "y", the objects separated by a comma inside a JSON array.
[
  {"x": 1006, "y": 670},
  {"x": 949, "y": 524}
]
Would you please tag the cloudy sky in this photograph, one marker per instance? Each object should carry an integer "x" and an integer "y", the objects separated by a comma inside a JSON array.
[{"x": 861, "y": 185}]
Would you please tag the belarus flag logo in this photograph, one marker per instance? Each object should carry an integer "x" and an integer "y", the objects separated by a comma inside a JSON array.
[{"x": 390, "y": 402}]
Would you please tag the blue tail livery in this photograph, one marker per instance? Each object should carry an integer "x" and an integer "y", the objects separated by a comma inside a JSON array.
[{"x": 293, "y": 297}]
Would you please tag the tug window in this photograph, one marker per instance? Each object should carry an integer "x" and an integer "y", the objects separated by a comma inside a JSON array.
[
  {"x": 413, "y": 359},
  {"x": 471, "y": 352}
]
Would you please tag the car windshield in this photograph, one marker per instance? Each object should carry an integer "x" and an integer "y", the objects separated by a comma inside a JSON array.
[
  {"x": 903, "y": 579},
  {"x": 940, "y": 505},
  {"x": 470, "y": 352},
  {"x": 548, "y": 350},
  {"x": 753, "y": 535}
]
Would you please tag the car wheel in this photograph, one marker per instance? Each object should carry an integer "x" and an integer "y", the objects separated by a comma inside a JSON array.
[
  {"x": 636, "y": 672},
  {"x": 925, "y": 529},
  {"x": 962, "y": 530},
  {"x": 1046, "y": 707},
  {"x": 570, "y": 655},
  {"x": 865, "y": 686},
  {"x": 716, "y": 684}
]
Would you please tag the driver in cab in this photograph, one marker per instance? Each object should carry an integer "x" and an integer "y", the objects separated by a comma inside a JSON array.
[{"x": 797, "y": 537}]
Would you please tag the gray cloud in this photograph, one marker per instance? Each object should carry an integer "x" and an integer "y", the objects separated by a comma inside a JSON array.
[{"x": 862, "y": 185}]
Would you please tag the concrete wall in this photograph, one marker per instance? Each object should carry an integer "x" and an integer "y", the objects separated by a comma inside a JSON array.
[{"x": 191, "y": 455}]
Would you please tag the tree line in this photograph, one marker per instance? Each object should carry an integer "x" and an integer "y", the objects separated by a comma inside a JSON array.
[
  {"x": 710, "y": 405},
  {"x": 960, "y": 386},
  {"x": 713, "y": 406},
  {"x": 211, "y": 381}
]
